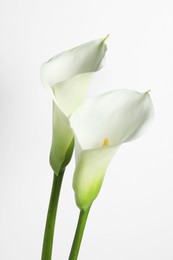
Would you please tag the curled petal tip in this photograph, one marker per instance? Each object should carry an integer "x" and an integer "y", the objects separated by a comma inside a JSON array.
[
  {"x": 105, "y": 38},
  {"x": 148, "y": 91}
]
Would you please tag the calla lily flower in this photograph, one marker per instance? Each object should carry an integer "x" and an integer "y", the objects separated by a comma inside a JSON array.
[
  {"x": 100, "y": 126},
  {"x": 67, "y": 77}
]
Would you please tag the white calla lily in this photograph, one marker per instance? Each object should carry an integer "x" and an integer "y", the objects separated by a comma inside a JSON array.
[
  {"x": 67, "y": 77},
  {"x": 100, "y": 126}
]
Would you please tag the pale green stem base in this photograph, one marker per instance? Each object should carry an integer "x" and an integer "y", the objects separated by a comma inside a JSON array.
[
  {"x": 51, "y": 216},
  {"x": 79, "y": 234}
]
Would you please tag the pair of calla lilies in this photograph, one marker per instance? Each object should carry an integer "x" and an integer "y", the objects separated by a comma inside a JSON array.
[{"x": 97, "y": 125}]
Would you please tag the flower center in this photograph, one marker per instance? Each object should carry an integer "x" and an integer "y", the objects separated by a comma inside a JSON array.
[{"x": 105, "y": 142}]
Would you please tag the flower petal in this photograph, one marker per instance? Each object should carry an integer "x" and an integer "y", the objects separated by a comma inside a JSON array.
[
  {"x": 100, "y": 125},
  {"x": 70, "y": 94},
  {"x": 82, "y": 59},
  {"x": 66, "y": 77},
  {"x": 90, "y": 169},
  {"x": 119, "y": 116},
  {"x": 62, "y": 138},
  {"x": 61, "y": 73}
]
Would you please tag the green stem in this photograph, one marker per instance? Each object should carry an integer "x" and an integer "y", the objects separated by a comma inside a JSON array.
[
  {"x": 79, "y": 234},
  {"x": 51, "y": 216}
]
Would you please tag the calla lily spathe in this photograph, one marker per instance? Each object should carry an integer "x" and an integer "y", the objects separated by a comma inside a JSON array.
[
  {"x": 100, "y": 126},
  {"x": 67, "y": 77}
]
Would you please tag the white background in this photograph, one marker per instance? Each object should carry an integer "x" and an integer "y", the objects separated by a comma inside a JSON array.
[{"x": 132, "y": 219}]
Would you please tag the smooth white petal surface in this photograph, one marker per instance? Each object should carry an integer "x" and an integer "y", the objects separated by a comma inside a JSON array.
[
  {"x": 91, "y": 166},
  {"x": 81, "y": 59},
  {"x": 72, "y": 69},
  {"x": 118, "y": 116},
  {"x": 100, "y": 126},
  {"x": 69, "y": 95},
  {"x": 66, "y": 77}
]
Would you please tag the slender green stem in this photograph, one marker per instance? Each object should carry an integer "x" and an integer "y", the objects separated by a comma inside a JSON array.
[
  {"x": 51, "y": 216},
  {"x": 79, "y": 234}
]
